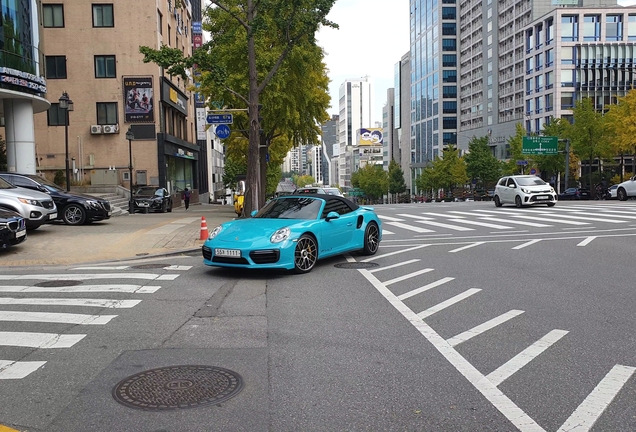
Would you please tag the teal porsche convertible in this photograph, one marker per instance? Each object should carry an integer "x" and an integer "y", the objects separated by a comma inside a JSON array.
[{"x": 293, "y": 232}]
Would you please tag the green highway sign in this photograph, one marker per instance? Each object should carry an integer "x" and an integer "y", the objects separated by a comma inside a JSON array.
[{"x": 540, "y": 145}]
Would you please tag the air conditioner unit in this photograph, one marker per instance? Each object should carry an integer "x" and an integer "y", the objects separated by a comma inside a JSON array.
[
  {"x": 96, "y": 129},
  {"x": 108, "y": 129}
]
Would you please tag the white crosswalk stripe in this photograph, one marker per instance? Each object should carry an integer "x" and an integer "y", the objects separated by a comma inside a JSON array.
[{"x": 409, "y": 227}]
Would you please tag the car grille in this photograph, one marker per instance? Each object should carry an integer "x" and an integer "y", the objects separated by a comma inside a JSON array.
[
  {"x": 48, "y": 204},
  {"x": 207, "y": 253},
  {"x": 228, "y": 260},
  {"x": 269, "y": 256},
  {"x": 16, "y": 225}
]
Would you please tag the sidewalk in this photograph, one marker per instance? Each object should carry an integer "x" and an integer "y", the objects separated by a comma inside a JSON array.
[{"x": 119, "y": 238}]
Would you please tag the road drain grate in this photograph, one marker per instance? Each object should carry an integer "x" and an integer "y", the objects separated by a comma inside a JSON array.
[
  {"x": 356, "y": 265},
  {"x": 178, "y": 387}
]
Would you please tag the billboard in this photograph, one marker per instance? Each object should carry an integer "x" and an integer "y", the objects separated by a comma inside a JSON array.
[
  {"x": 370, "y": 137},
  {"x": 140, "y": 100}
]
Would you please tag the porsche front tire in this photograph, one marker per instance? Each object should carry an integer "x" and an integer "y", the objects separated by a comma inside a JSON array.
[{"x": 305, "y": 254}]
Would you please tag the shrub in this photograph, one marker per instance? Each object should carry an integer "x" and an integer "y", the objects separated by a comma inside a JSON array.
[{"x": 59, "y": 179}]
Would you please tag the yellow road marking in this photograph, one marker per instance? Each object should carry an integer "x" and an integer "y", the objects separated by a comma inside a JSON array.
[{"x": 7, "y": 429}]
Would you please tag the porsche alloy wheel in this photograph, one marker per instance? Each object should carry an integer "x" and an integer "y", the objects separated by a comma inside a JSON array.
[
  {"x": 74, "y": 214},
  {"x": 306, "y": 254},
  {"x": 371, "y": 239}
]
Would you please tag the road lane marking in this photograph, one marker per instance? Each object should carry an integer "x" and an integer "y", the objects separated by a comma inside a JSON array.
[
  {"x": 587, "y": 218},
  {"x": 408, "y": 276},
  {"x": 518, "y": 222},
  {"x": 390, "y": 219},
  {"x": 529, "y": 243},
  {"x": 56, "y": 318},
  {"x": 102, "y": 268},
  {"x": 448, "y": 226},
  {"x": 543, "y": 219},
  {"x": 483, "y": 224},
  {"x": 139, "y": 289},
  {"x": 482, "y": 328},
  {"x": 496, "y": 397},
  {"x": 584, "y": 417},
  {"x": 18, "y": 370},
  {"x": 513, "y": 365},
  {"x": 444, "y": 215},
  {"x": 178, "y": 267},
  {"x": 619, "y": 215},
  {"x": 466, "y": 247},
  {"x": 374, "y": 257},
  {"x": 451, "y": 301},
  {"x": 88, "y": 276},
  {"x": 39, "y": 340},
  {"x": 386, "y": 232},
  {"x": 425, "y": 288},
  {"x": 409, "y": 227},
  {"x": 412, "y": 216},
  {"x": 400, "y": 264},
  {"x": 102, "y": 303},
  {"x": 587, "y": 241}
]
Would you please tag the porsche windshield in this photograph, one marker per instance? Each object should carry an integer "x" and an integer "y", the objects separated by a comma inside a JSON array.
[{"x": 291, "y": 208}]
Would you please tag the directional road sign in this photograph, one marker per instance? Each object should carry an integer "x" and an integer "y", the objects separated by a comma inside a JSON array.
[
  {"x": 222, "y": 131},
  {"x": 219, "y": 119},
  {"x": 539, "y": 145}
]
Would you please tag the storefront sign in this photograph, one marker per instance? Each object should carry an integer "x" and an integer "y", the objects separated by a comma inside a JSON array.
[
  {"x": 22, "y": 79},
  {"x": 173, "y": 97},
  {"x": 201, "y": 124}
]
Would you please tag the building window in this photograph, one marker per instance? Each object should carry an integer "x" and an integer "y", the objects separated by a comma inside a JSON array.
[
  {"x": 614, "y": 27},
  {"x": 569, "y": 28},
  {"x": 449, "y": 45},
  {"x": 567, "y": 100},
  {"x": 449, "y": 13},
  {"x": 449, "y": 60},
  {"x": 53, "y": 15},
  {"x": 549, "y": 57},
  {"x": 449, "y": 76},
  {"x": 449, "y": 92},
  {"x": 549, "y": 32},
  {"x": 105, "y": 67},
  {"x": 449, "y": 107},
  {"x": 55, "y": 115},
  {"x": 567, "y": 55},
  {"x": 103, "y": 15},
  {"x": 591, "y": 27},
  {"x": 538, "y": 82},
  {"x": 549, "y": 102},
  {"x": 449, "y": 122},
  {"x": 631, "y": 27},
  {"x": 449, "y": 29},
  {"x": 106, "y": 113},
  {"x": 56, "y": 67},
  {"x": 549, "y": 80},
  {"x": 159, "y": 22}
]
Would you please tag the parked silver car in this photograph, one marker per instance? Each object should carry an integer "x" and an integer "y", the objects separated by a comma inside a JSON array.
[{"x": 35, "y": 207}]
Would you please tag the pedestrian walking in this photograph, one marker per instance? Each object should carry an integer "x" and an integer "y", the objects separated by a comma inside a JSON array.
[{"x": 186, "y": 196}]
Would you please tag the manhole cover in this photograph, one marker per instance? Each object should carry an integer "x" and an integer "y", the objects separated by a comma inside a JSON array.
[
  {"x": 150, "y": 266},
  {"x": 58, "y": 283},
  {"x": 356, "y": 265},
  {"x": 178, "y": 387}
]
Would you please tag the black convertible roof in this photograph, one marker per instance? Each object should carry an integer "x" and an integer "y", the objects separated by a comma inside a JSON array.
[{"x": 351, "y": 204}]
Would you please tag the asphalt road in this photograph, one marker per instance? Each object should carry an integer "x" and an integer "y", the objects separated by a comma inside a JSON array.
[{"x": 468, "y": 318}]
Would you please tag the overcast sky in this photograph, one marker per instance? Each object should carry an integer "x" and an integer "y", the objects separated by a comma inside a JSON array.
[{"x": 373, "y": 36}]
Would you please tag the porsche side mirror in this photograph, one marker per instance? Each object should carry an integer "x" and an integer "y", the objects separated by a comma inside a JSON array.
[{"x": 332, "y": 215}]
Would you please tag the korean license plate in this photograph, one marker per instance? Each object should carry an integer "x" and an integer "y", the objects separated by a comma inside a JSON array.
[
  {"x": 20, "y": 234},
  {"x": 232, "y": 253},
  {"x": 543, "y": 197},
  {"x": 52, "y": 216}
]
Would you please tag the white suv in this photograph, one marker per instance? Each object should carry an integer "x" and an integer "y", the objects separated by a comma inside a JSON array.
[
  {"x": 626, "y": 189},
  {"x": 523, "y": 190},
  {"x": 36, "y": 208}
]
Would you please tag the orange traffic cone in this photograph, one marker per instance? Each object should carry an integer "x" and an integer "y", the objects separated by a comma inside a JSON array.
[{"x": 204, "y": 229}]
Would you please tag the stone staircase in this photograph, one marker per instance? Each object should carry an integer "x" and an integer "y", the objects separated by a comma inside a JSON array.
[{"x": 117, "y": 196}]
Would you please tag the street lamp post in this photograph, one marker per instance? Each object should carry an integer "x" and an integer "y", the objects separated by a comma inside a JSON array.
[
  {"x": 66, "y": 104},
  {"x": 130, "y": 136}
]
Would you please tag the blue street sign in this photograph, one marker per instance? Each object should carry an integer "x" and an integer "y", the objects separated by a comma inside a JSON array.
[
  {"x": 219, "y": 119},
  {"x": 522, "y": 162},
  {"x": 533, "y": 171},
  {"x": 222, "y": 131}
]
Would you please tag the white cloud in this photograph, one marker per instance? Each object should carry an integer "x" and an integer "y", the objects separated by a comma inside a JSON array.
[{"x": 372, "y": 38}]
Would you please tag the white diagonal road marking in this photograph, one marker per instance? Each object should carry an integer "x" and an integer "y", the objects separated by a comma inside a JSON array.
[
  {"x": 88, "y": 276},
  {"x": 39, "y": 340},
  {"x": 484, "y": 224},
  {"x": 481, "y": 328},
  {"x": 466, "y": 247},
  {"x": 18, "y": 370},
  {"x": 425, "y": 288},
  {"x": 451, "y": 301},
  {"x": 57, "y": 318},
  {"x": 400, "y": 264},
  {"x": 551, "y": 220},
  {"x": 587, "y": 218},
  {"x": 517, "y": 222},
  {"x": 409, "y": 227},
  {"x": 587, "y": 241},
  {"x": 513, "y": 365},
  {"x": 390, "y": 219},
  {"x": 408, "y": 276},
  {"x": 584, "y": 417},
  {"x": 526, "y": 244}
]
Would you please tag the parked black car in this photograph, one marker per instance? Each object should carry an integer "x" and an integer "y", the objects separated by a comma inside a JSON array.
[
  {"x": 575, "y": 194},
  {"x": 152, "y": 198},
  {"x": 12, "y": 228},
  {"x": 72, "y": 208}
]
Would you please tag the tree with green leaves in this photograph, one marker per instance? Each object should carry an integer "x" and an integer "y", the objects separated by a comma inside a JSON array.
[
  {"x": 251, "y": 40},
  {"x": 515, "y": 144},
  {"x": 304, "y": 180},
  {"x": 397, "y": 185},
  {"x": 590, "y": 135},
  {"x": 481, "y": 164},
  {"x": 372, "y": 180},
  {"x": 555, "y": 164},
  {"x": 621, "y": 120},
  {"x": 453, "y": 169},
  {"x": 429, "y": 181}
]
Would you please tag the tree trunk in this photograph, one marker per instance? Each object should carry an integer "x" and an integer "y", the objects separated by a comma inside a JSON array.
[
  {"x": 263, "y": 171},
  {"x": 253, "y": 167}
]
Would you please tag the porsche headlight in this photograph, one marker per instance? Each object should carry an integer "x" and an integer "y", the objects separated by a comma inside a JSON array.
[
  {"x": 215, "y": 232},
  {"x": 280, "y": 235}
]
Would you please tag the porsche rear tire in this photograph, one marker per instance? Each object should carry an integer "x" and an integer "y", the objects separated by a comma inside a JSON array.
[
  {"x": 371, "y": 239},
  {"x": 306, "y": 254}
]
